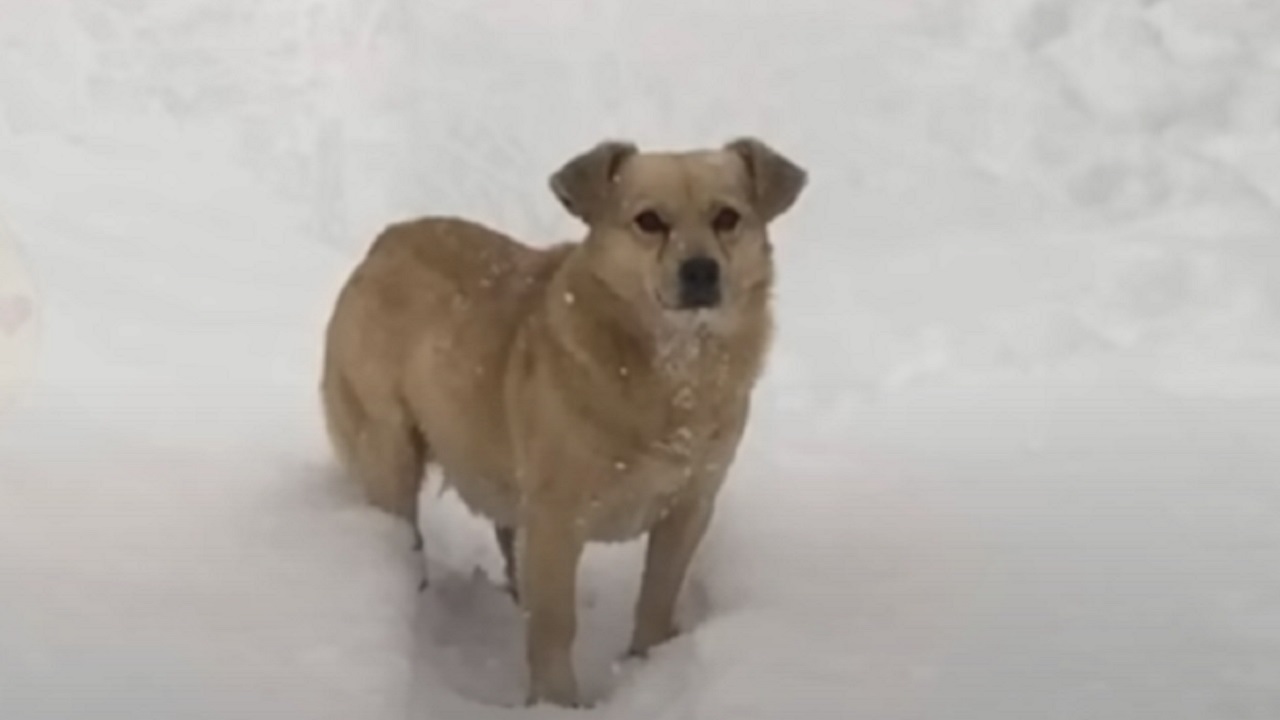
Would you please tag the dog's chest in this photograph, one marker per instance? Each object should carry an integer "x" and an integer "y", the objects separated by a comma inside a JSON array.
[
  {"x": 687, "y": 451},
  {"x": 669, "y": 431},
  {"x": 636, "y": 495}
]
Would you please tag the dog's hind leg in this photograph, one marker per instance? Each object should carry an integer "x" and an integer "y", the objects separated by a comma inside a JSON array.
[
  {"x": 392, "y": 465},
  {"x": 384, "y": 453},
  {"x": 379, "y": 445},
  {"x": 391, "y": 462},
  {"x": 391, "y": 459},
  {"x": 507, "y": 544}
]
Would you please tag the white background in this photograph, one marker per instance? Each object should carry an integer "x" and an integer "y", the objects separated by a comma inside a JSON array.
[{"x": 1015, "y": 457}]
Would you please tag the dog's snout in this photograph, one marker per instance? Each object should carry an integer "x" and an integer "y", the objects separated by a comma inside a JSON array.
[
  {"x": 700, "y": 273},
  {"x": 699, "y": 282}
]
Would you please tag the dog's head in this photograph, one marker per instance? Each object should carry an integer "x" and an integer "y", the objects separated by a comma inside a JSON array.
[{"x": 678, "y": 233}]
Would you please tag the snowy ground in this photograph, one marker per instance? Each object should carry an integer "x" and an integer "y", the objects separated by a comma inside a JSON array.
[{"x": 1017, "y": 454}]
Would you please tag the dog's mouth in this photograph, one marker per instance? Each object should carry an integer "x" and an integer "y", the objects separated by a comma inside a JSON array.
[
  {"x": 690, "y": 309},
  {"x": 691, "y": 319},
  {"x": 679, "y": 307},
  {"x": 701, "y": 300},
  {"x": 680, "y": 302}
]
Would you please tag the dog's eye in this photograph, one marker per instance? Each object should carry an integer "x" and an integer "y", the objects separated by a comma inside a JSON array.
[
  {"x": 726, "y": 220},
  {"x": 650, "y": 222}
]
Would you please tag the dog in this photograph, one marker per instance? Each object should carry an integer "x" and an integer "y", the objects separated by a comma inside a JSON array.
[{"x": 588, "y": 391}]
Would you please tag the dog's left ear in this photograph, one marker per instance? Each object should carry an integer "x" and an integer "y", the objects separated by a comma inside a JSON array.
[
  {"x": 776, "y": 182},
  {"x": 583, "y": 184}
]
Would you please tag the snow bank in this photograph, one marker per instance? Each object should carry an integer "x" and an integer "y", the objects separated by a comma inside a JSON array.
[
  {"x": 19, "y": 319},
  {"x": 1014, "y": 456}
]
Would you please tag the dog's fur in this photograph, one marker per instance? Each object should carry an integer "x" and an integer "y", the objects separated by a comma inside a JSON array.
[{"x": 564, "y": 393}]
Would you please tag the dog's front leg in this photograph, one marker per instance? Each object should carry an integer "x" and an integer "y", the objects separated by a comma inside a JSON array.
[
  {"x": 550, "y": 545},
  {"x": 672, "y": 542}
]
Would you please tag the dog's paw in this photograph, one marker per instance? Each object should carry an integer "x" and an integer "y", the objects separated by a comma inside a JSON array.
[
  {"x": 532, "y": 701},
  {"x": 643, "y": 642},
  {"x": 632, "y": 654},
  {"x": 560, "y": 692}
]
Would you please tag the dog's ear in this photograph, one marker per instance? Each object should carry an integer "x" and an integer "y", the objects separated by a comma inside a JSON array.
[
  {"x": 583, "y": 184},
  {"x": 776, "y": 182}
]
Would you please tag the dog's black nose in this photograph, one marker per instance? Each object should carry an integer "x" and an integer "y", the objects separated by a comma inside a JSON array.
[{"x": 699, "y": 283}]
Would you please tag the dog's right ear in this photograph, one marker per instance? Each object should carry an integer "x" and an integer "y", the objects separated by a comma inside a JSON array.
[{"x": 584, "y": 183}]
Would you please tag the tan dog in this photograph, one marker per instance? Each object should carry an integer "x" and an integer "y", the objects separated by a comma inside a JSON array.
[{"x": 588, "y": 392}]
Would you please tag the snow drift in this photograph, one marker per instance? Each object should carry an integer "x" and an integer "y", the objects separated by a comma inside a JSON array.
[{"x": 1015, "y": 455}]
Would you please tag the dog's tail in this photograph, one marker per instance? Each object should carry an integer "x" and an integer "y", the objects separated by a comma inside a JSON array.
[{"x": 341, "y": 414}]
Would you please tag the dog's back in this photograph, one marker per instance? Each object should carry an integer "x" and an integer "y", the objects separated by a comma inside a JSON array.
[{"x": 428, "y": 314}]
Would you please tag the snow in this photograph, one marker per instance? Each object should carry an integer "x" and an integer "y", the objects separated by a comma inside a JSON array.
[{"x": 1015, "y": 455}]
